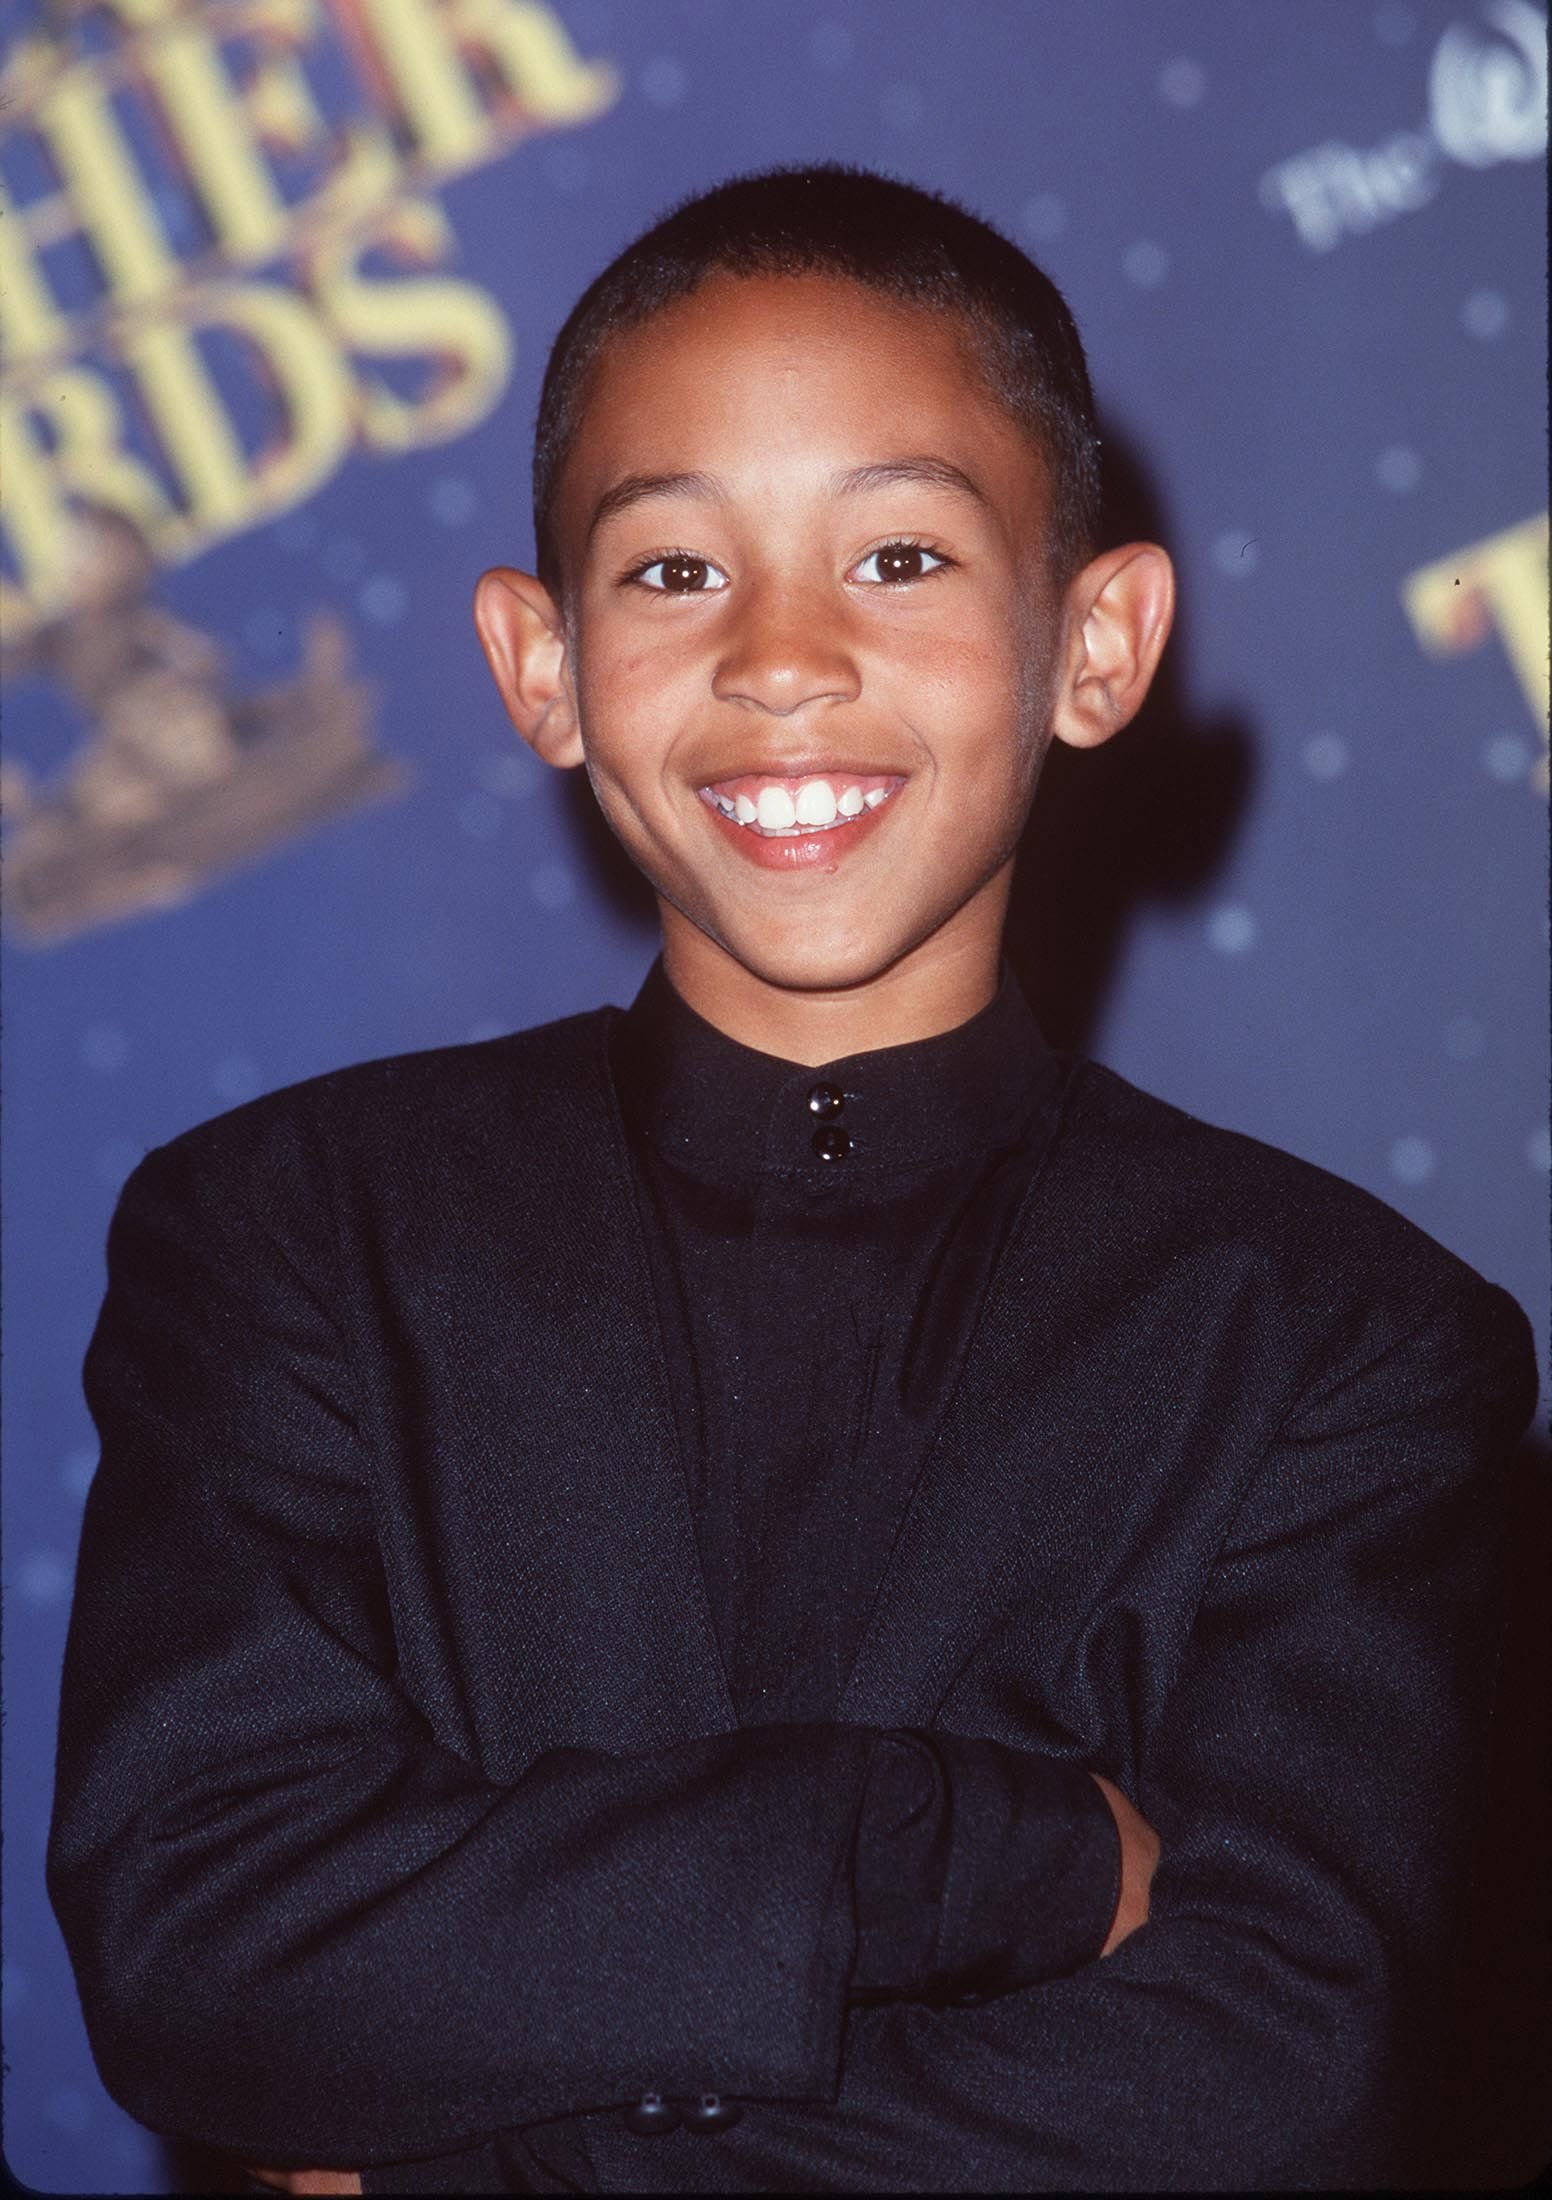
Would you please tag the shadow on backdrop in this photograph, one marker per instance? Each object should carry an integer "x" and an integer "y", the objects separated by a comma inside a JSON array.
[
  {"x": 1497, "y": 2109},
  {"x": 1149, "y": 817}
]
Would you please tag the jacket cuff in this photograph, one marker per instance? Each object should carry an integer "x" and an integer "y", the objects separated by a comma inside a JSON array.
[
  {"x": 979, "y": 1869},
  {"x": 1034, "y": 1871}
]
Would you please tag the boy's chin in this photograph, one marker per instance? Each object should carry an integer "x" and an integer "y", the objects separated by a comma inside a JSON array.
[{"x": 810, "y": 965}]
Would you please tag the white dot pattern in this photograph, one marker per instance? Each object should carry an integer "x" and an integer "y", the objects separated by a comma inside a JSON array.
[
  {"x": 1398, "y": 469},
  {"x": 1507, "y": 756},
  {"x": 452, "y": 501},
  {"x": 1412, "y": 1160},
  {"x": 1485, "y": 315},
  {"x": 384, "y": 598},
  {"x": 1183, "y": 83},
  {"x": 511, "y": 773},
  {"x": 104, "y": 1048},
  {"x": 1236, "y": 553},
  {"x": 43, "y": 1578},
  {"x": 1146, "y": 264},
  {"x": 1232, "y": 929},
  {"x": 1043, "y": 217},
  {"x": 553, "y": 886},
  {"x": 1326, "y": 756}
]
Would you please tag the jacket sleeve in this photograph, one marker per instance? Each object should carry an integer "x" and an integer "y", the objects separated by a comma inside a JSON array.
[
  {"x": 1274, "y": 2023},
  {"x": 303, "y": 1928}
]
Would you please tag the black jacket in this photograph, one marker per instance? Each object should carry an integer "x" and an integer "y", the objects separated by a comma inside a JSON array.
[{"x": 400, "y": 1801}]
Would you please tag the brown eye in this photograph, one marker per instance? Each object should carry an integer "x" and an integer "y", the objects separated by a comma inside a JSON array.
[
  {"x": 681, "y": 575},
  {"x": 897, "y": 562},
  {"x": 901, "y": 561}
]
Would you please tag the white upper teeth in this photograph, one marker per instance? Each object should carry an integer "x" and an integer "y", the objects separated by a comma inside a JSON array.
[{"x": 816, "y": 807}]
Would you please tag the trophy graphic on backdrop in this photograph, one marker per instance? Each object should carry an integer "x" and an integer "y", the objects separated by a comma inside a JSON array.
[{"x": 180, "y": 778}]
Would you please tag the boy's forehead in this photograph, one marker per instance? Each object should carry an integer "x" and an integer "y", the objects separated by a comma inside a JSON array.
[{"x": 745, "y": 364}]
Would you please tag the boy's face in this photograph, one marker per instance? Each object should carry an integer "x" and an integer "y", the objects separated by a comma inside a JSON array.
[{"x": 807, "y": 578}]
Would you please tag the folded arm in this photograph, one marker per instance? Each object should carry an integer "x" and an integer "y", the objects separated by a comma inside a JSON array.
[
  {"x": 308, "y": 1930},
  {"x": 1139, "y": 1846},
  {"x": 305, "y": 1928},
  {"x": 1278, "y": 2022}
]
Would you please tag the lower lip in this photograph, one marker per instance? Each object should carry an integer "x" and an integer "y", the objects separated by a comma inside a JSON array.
[{"x": 819, "y": 851}]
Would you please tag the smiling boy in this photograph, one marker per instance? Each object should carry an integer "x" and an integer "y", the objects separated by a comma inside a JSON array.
[{"x": 658, "y": 1588}]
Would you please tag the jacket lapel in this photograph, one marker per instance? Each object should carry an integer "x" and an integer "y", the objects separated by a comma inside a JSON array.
[
  {"x": 568, "y": 1593},
  {"x": 1020, "y": 1398}
]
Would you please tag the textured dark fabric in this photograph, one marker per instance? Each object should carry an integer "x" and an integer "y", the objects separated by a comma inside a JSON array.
[
  {"x": 978, "y": 1869},
  {"x": 816, "y": 1317},
  {"x": 400, "y": 1802}
]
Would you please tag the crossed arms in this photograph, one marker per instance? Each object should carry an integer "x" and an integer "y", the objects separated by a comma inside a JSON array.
[
  {"x": 1139, "y": 1859},
  {"x": 306, "y": 1930}
]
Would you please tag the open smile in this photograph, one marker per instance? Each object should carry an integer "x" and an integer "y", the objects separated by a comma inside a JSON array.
[
  {"x": 796, "y": 823},
  {"x": 818, "y": 802}
]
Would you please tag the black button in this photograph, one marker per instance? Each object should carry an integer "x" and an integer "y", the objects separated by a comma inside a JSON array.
[
  {"x": 824, "y": 1100},
  {"x": 831, "y": 1144},
  {"x": 650, "y": 2115},
  {"x": 712, "y": 2113}
]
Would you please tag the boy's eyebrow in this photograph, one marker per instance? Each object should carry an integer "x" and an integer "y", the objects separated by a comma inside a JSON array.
[
  {"x": 882, "y": 473},
  {"x": 887, "y": 473},
  {"x": 634, "y": 488}
]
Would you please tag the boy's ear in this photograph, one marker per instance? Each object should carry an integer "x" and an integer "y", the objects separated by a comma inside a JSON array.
[
  {"x": 1119, "y": 611},
  {"x": 524, "y": 639}
]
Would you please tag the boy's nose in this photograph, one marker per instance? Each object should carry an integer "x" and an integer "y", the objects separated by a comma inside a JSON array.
[{"x": 784, "y": 652}]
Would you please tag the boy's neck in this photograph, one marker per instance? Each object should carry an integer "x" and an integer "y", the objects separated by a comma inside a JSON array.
[{"x": 920, "y": 997}]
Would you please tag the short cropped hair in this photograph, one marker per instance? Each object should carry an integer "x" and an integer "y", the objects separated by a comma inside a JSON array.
[{"x": 908, "y": 243}]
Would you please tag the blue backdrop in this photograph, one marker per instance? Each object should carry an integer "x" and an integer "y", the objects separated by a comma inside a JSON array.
[{"x": 278, "y": 280}]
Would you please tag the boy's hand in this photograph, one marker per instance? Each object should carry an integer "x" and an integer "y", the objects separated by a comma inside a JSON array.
[
  {"x": 306, "y": 2180},
  {"x": 1139, "y": 1855}
]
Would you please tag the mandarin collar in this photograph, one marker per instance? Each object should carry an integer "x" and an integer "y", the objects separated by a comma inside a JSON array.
[{"x": 726, "y": 1113}]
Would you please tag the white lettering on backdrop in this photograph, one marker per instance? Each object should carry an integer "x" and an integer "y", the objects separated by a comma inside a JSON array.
[{"x": 1487, "y": 102}]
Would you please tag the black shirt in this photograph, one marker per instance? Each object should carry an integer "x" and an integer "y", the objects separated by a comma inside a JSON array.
[{"x": 821, "y": 1243}]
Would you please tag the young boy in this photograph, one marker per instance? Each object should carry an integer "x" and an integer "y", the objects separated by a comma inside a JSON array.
[{"x": 657, "y": 1587}]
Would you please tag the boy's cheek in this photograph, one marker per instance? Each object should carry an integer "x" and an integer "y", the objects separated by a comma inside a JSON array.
[{"x": 634, "y": 663}]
